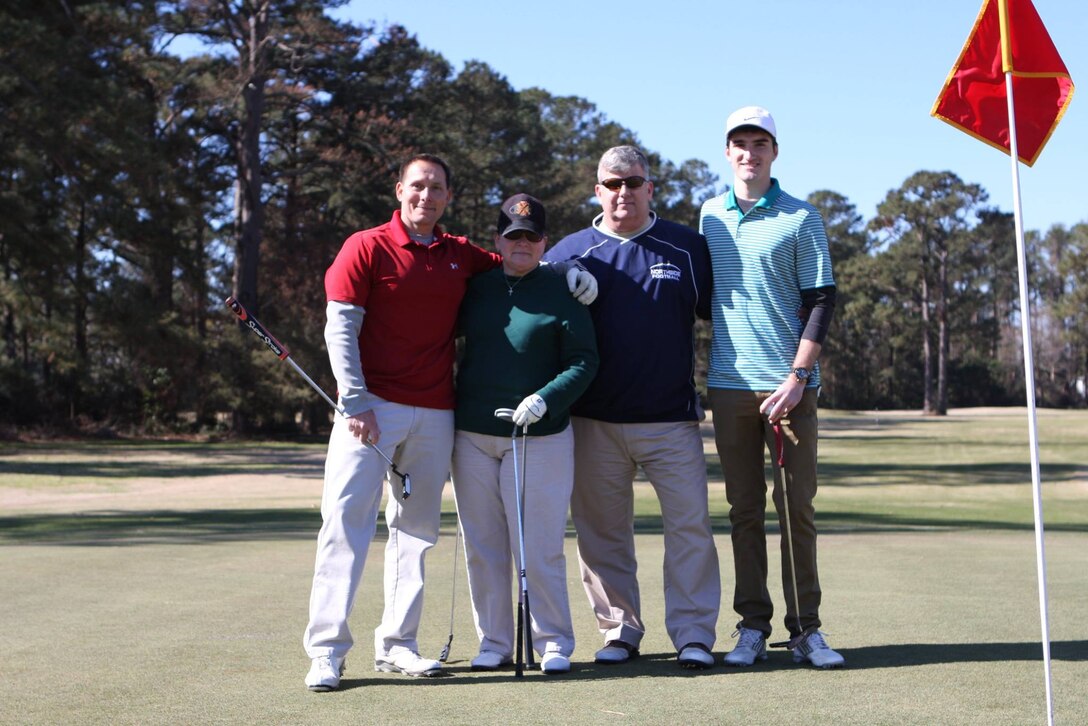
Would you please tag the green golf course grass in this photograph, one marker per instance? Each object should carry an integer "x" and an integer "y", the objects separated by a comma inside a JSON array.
[{"x": 167, "y": 583}]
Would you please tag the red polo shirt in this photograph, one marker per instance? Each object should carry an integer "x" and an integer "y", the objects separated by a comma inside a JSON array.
[{"x": 411, "y": 293}]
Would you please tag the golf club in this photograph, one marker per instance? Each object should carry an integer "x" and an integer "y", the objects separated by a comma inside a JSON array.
[
  {"x": 525, "y": 623},
  {"x": 283, "y": 354},
  {"x": 453, "y": 594},
  {"x": 802, "y": 633}
]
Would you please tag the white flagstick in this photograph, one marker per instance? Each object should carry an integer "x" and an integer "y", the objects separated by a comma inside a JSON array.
[{"x": 1029, "y": 372}]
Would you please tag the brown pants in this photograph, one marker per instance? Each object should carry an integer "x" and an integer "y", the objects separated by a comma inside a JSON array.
[{"x": 743, "y": 436}]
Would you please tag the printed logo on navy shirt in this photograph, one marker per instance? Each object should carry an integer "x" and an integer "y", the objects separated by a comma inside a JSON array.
[{"x": 665, "y": 271}]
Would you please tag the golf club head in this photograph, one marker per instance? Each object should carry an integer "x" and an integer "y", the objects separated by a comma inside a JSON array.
[
  {"x": 405, "y": 484},
  {"x": 795, "y": 640},
  {"x": 445, "y": 650},
  {"x": 504, "y": 414}
]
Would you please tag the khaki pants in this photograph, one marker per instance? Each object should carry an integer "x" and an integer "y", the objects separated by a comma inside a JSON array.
[
  {"x": 606, "y": 457},
  {"x": 743, "y": 437},
  {"x": 483, "y": 484}
]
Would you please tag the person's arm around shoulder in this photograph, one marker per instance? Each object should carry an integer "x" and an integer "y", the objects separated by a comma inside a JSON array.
[
  {"x": 566, "y": 257},
  {"x": 479, "y": 259},
  {"x": 580, "y": 282}
]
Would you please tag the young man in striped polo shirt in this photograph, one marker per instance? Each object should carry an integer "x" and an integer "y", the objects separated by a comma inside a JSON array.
[{"x": 773, "y": 298}]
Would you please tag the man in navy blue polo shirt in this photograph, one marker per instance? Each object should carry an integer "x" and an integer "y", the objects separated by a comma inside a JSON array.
[{"x": 642, "y": 410}]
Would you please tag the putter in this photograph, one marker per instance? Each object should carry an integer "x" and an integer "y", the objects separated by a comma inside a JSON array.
[
  {"x": 802, "y": 633},
  {"x": 453, "y": 595},
  {"x": 525, "y": 626},
  {"x": 283, "y": 354}
]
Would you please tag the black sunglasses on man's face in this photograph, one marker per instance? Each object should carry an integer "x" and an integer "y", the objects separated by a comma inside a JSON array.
[{"x": 632, "y": 182}]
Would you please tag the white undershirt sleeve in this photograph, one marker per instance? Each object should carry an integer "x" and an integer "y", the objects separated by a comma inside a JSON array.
[{"x": 343, "y": 323}]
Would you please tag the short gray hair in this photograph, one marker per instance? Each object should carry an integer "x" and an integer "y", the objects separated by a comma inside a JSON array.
[{"x": 623, "y": 158}]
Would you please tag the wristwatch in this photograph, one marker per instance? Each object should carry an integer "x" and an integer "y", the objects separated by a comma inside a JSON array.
[{"x": 801, "y": 374}]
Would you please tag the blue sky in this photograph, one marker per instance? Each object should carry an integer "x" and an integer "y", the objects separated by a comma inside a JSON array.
[{"x": 849, "y": 82}]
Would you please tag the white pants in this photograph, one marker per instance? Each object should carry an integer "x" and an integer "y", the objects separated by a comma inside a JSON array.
[
  {"x": 483, "y": 484},
  {"x": 419, "y": 441}
]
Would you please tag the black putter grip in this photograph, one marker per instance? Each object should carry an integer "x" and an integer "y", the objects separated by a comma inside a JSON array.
[
  {"x": 529, "y": 654},
  {"x": 253, "y": 324}
]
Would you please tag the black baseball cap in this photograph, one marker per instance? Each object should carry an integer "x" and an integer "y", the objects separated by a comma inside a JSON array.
[{"x": 521, "y": 211}]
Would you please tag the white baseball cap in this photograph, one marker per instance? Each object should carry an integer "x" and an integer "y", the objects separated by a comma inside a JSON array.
[{"x": 751, "y": 116}]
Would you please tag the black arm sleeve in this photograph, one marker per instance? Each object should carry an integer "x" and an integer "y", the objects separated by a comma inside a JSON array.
[
  {"x": 817, "y": 309},
  {"x": 565, "y": 266}
]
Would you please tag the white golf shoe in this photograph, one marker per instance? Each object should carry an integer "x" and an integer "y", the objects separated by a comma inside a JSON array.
[
  {"x": 695, "y": 656},
  {"x": 615, "y": 651},
  {"x": 816, "y": 651},
  {"x": 554, "y": 662},
  {"x": 407, "y": 662},
  {"x": 489, "y": 660},
  {"x": 325, "y": 673},
  {"x": 751, "y": 645}
]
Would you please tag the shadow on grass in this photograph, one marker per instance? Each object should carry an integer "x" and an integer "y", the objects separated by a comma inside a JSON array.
[
  {"x": 874, "y": 421},
  {"x": 113, "y": 528},
  {"x": 663, "y": 665},
  {"x": 213, "y": 462},
  {"x": 830, "y": 521},
  {"x": 913, "y": 654},
  {"x": 207, "y": 526},
  {"x": 456, "y": 672},
  {"x": 949, "y": 475}
]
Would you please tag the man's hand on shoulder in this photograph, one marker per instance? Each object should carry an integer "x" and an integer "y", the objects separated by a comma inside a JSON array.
[{"x": 582, "y": 285}]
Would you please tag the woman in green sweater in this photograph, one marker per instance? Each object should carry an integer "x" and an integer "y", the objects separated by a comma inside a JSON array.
[{"x": 529, "y": 346}]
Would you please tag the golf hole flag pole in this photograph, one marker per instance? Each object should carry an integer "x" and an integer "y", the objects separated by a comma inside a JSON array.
[{"x": 1010, "y": 88}]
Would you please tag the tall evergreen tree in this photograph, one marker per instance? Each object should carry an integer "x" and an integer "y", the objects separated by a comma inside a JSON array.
[{"x": 930, "y": 213}]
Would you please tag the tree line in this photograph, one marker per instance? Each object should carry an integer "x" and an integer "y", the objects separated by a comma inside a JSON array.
[{"x": 140, "y": 186}]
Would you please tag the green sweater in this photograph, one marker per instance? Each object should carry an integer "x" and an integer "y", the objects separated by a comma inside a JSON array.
[{"x": 533, "y": 338}]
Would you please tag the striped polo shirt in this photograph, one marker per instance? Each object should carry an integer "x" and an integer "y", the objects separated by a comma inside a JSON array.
[{"x": 762, "y": 261}]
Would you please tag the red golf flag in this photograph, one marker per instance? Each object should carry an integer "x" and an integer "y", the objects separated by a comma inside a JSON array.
[{"x": 1008, "y": 36}]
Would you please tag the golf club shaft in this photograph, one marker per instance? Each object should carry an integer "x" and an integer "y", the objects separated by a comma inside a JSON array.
[
  {"x": 519, "y": 661},
  {"x": 781, "y": 461},
  {"x": 525, "y": 623},
  {"x": 453, "y": 593},
  {"x": 336, "y": 408},
  {"x": 283, "y": 353},
  {"x": 529, "y": 657}
]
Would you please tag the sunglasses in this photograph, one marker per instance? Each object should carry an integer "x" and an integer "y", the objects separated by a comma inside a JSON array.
[
  {"x": 523, "y": 234},
  {"x": 632, "y": 182}
]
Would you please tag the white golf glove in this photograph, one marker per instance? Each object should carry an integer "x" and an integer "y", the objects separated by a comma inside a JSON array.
[
  {"x": 582, "y": 285},
  {"x": 529, "y": 411}
]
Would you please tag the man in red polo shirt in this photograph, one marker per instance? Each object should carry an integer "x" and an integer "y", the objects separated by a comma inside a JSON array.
[{"x": 393, "y": 295}]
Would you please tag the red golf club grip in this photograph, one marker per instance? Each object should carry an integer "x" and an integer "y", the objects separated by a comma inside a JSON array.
[{"x": 252, "y": 323}]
